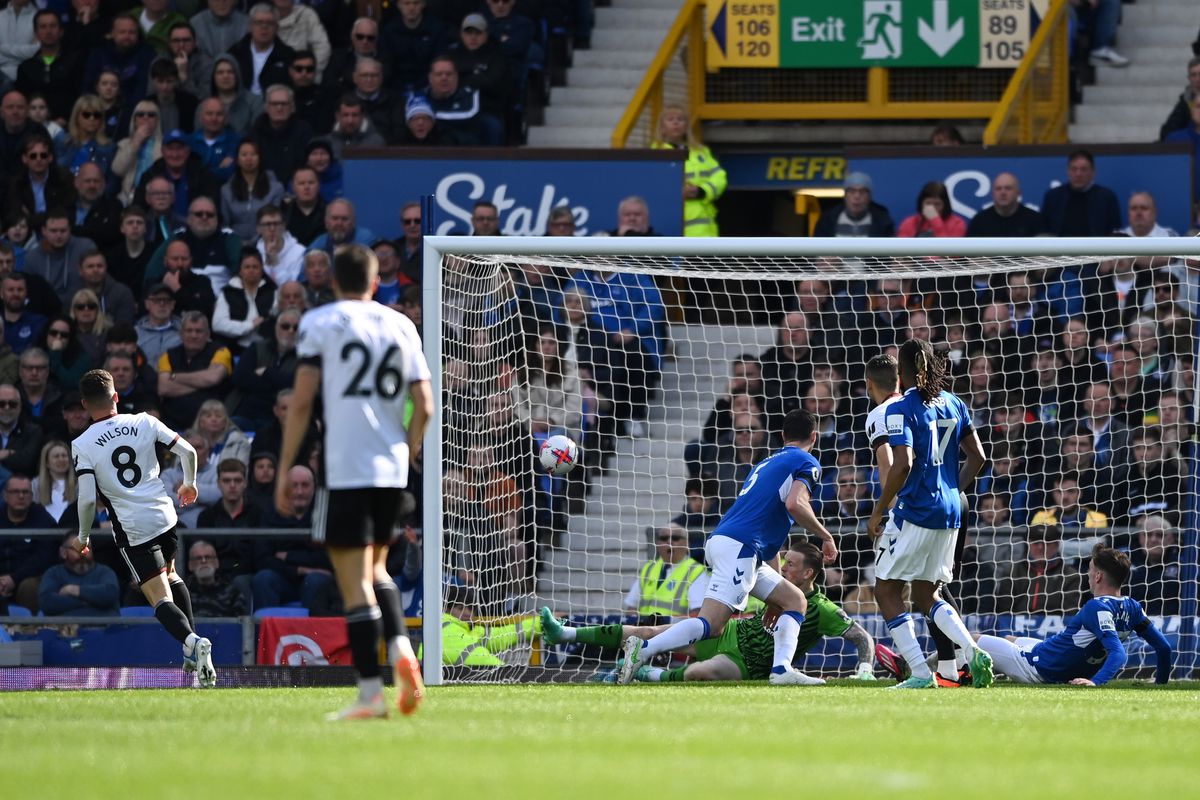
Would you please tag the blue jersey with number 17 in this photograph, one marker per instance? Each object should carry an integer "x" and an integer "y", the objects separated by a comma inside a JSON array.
[
  {"x": 929, "y": 497},
  {"x": 759, "y": 518}
]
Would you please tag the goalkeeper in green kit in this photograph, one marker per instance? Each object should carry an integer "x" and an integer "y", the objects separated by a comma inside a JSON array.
[{"x": 745, "y": 650}]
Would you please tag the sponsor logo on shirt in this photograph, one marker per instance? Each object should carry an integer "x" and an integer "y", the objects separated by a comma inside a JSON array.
[{"x": 895, "y": 423}]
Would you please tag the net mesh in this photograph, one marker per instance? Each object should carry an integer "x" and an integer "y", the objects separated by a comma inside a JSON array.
[{"x": 673, "y": 374}]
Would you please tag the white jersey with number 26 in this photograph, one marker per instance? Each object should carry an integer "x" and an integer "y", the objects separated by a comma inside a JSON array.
[
  {"x": 119, "y": 451},
  {"x": 368, "y": 355}
]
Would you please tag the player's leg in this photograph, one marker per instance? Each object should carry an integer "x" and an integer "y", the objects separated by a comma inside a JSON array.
[
  {"x": 554, "y": 631},
  {"x": 406, "y": 671},
  {"x": 718, "y": 668},
  {"x": 938, "y": 549},
  {"x": 353, "y": 570},
  {"x": 1009, "y": 657},
  {"x": 729, "y": 586},
  {"x": 771, "y": 587},
  {"x": 893, "y": 570},
  {"x": 148, "y": 566},
  {"x": 947, "y": 664}
]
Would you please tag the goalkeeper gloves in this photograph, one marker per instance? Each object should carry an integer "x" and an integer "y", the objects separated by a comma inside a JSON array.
[{"x": 865, "y": 672}]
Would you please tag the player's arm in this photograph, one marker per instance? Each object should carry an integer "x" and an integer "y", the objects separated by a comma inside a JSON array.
[
  {"x": 902, "y": 461},
  {"x": 304, "y": 393},
  {"x": 1098, "y": 621},
  {"x": 1162, "y": 649},
  {"x": 883, "y": 458},
  {"x": 974, "y": 461},
  {"x": 86, "y": 492},
  {"x": 422, "y": 408},
  {"x": 857, "y": 635},
  {"x": 799, "y": 505},
  {"x": 187, "y": 462}
]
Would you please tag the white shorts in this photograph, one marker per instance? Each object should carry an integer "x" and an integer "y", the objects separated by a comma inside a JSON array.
[
  {"x": 1009, "y": 657},
  {"x": 736, "y": 573},
  {"x": 913, "y": 553}
]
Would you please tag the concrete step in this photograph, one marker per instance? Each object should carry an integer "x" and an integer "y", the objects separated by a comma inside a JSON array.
[
  {"x": 602, "y": 118},
  {"x": 1161, "y": 37},
  {"x": 614, "y": 76},
  {"x": 591, "y": 96},
  {"x": 1101, "y": 114},
  {"x": 641, "y": 16},
  {"x": 1113, "y": 134},
  {"x": 619, "y": 57},
  {"x": 1147, "y": 97},
  {"x": 1147, "y": 74},
  {"x": 570, "y": 136},
  {"x": 642, "y": 39}
]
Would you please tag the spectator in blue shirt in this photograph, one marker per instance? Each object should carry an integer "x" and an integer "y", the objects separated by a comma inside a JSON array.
[
  {"x": 22, "y": 327},
  {"x": 1190, "y": 135},
  {"x": 79, "y": 587}
]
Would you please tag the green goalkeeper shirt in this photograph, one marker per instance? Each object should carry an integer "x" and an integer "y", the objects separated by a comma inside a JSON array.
[{"x": 757, "y": 644}]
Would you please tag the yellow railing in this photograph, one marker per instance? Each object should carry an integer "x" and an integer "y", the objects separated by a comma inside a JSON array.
[
  {"x": 666, "y": 80},
  {"x": 1027, "y": 105},
  {"x": 1036, "y": 104}
]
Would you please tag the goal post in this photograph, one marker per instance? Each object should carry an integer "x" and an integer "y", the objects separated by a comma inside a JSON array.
[{"x": 579, "y": 547}]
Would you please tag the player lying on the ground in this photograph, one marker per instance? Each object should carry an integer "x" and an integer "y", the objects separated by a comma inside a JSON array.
[
  {"x": 1090, "y": 651},
  {"x": 745, "y": 650}
]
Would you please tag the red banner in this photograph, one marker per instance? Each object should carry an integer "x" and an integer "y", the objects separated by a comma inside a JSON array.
[{"x": 300, "y": 641}]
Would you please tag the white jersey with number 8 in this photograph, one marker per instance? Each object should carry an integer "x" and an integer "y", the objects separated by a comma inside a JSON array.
[
  {"x": 119, "y": 451},
  {"x": 368, "y": 355}
]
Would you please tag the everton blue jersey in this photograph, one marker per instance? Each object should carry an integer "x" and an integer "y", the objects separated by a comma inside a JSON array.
[
  {"x": 1092, "y": 645},
  {"x": 929, "y": 497},
  {"x": 759, "y": 517}
]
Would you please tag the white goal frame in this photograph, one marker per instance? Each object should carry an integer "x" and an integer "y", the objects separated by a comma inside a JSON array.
[{"x": 435, "y": 247}]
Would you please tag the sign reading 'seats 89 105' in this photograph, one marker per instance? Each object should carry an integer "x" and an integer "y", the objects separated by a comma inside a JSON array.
[{"x": 525, "y": 185}]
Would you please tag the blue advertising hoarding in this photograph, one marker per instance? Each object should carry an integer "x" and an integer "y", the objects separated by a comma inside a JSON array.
[
  {"x": 524, "y": 184},
  {"x": 897, "y": 175}
]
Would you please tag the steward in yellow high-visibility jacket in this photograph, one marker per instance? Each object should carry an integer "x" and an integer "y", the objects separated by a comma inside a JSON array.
[
  {"x": 704, "y": 178},
  {"x": 671, "y": 585}
]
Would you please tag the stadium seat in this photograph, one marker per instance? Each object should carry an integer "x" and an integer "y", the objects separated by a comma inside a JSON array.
[
  {"x": 137, "y": 611},
  {"x": 19, "y": 611},
  {"x": 280, "y": 611}
]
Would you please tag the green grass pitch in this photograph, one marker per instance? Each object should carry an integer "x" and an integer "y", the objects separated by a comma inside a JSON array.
[{"x": 667, "y": 741}]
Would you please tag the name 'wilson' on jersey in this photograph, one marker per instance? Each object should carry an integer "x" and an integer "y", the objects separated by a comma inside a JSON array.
[{"x": 368, "y": 355}]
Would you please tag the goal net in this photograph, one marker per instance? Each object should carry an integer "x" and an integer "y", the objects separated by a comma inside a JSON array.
[{"x": 672, "y": 363}]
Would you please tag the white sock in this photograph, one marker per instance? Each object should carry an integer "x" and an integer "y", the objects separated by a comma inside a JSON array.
[
  {"x": 681, "y": 634},
  {"x": 654, "y": 674},
  {"x": 946, "y": 618},
  {"x": 189, "y": 644},
  {"x": 948, "y": 669},
  {"x": 568, "y": 633},
  {"x": 904, "y": 636},
  {"x": 399, "y": 647},
  {"x": 787, "y": 633},
  {"x": 369, "y": 688},
  {"x": 960, "y": 658}
]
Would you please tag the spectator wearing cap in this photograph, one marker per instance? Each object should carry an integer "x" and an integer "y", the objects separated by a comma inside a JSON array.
[
  {"x": 1007, "y": 216},
  {"x": 116, "y": 299},
  {"x": 458, "y": 108},
  {"x": 420, "y": 127},
  {"x": 934, "y": 216},
  {"x": 219, "y": 27},
  {"x": 364, "y": 43},
  {"x": 215, "y": 141},
  {"x": 125, "y": 54},
  {"x": 176, "y": 106},
  {"x": 251, "y": 188},
  {"x": 411, "y": 40},
  {"x": 184, "y": 169},
  {"x": 300, "y": 29},
  {"x": 158, "y": 331},
  {"x": 314, "y": 101},
  {"x": 261, "y": 56},
  {"x": 353, "y": 128},
  {"x": 281, "y": 136},
  {"x": 1081, "y": 207},
  {"x": 483, "y": 67},
  {"x": 1043, "y": 582},
  {"x": 97, "y": 215},
  {"x": 54, "y": 72},
  {"x": 320, "y": 159},
  {"x": 857, "y": 215}
]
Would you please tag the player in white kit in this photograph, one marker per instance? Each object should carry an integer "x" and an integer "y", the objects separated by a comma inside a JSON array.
[
  {"x": 365, "y": 360},
  {"x": 115, "y": 458}
]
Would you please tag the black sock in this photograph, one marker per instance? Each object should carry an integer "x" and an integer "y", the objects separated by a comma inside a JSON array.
[
  {"x": 945, "y": 646},
  {"x": 174, "y": 620},
  {"x": 183, "y": 598},
  {"x": 387, "y": 595},
  {"x": 365, "y": 628}
]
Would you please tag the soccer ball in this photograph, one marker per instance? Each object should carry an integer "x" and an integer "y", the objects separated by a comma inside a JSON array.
[{"x": 558, "y": 455}]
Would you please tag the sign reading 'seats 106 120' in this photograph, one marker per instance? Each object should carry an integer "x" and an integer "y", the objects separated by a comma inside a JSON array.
[{"x": 870, "y": 33}]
